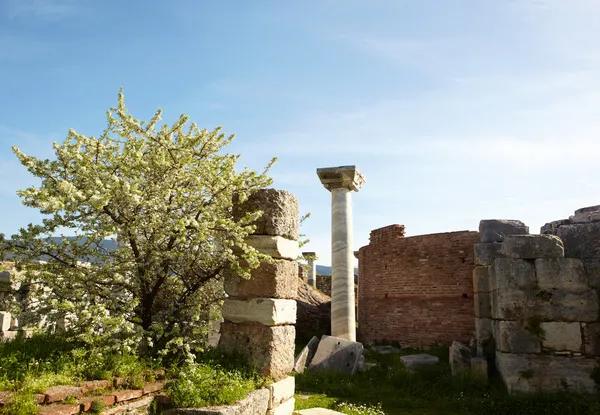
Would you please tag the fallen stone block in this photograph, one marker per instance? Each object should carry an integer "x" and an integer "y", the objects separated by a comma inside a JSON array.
[
  {"x": 270, "y": 348},
  {"x": 495, "y": 230},
  {"x": 561, "y": 273},
  {"x": 518, "y": 337},
  {"x": 86, "y": 403},
  {"x": 286, "y": 408},
  {"x": 267, "y": 311},
  {"x": 532, "y": 247},
  {"x": 281, "y": 391},
  {"x": 591, "y": 339},
  {"x": 255, "y": 403},
  {"x": 127, "y": 395},
  {"x": 460, "y": 357},
  {"x": 335, "y": 354},
  {"x": 414, "y": 361},
  {"x": 278, "y": 279},
  {"x": 561, "y": 336},
  {"x": 386, "y": 349},
  {"x": 60, "y": 393},
  {"x": 581, "y": 240},
  {"x": 280, "y": 212},
  {"x": 275, "y": 246},
  {"x": 479, "y": 368},
  {"x": 304, "y": 358},
  {"x": 486, "y": 253},
  {"x": 59, "y": 409}
]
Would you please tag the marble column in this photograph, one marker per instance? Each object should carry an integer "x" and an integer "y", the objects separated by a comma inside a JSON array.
[
  {"x": 311, "y": 258},
  {"x": 340, "y": 181}
]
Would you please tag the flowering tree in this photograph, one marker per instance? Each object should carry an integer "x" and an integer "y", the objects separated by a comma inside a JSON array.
[{"x": 166, "y": 195}]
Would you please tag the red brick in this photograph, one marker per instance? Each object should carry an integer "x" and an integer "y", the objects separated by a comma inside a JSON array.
[
  {"x": 60, "y": 393},
  {"x": 127, "y": 395},
  {"x": 153, "y": 387},
  {"x": 91, "y": 385},
  {"x": 411, "y": 290},
  {"x": 86, "y": 403},
  {"x": 59, "y": 409}
]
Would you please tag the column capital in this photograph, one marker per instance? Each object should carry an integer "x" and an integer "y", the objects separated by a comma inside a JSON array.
[
  {"x": 348, "y": 177},
  {"x": 312, "y": 255}
]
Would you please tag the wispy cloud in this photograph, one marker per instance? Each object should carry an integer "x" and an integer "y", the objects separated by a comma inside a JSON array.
[{"x": 43, "y": 9}]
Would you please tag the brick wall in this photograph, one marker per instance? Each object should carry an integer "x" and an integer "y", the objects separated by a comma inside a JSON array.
[{"x": 412, "y": 289}]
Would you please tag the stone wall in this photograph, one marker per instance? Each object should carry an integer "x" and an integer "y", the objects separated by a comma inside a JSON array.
[
  {"x": 538, "y": 303},
  {"x": 418, "y": 290},
  {"x": 260, "y": 313},
  {"x": 324, "y": 284}
]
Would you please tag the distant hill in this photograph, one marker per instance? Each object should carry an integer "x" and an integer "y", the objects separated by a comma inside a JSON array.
[{"x": 326, "y": 270}]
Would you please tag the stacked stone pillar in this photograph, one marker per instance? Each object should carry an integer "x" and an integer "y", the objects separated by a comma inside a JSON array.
[
  {"x": 259, "y": 313},
  {"x": 543, "y": 304},
  {"x": 341, "y": 181},
  {"x": 311, "y": 258}
]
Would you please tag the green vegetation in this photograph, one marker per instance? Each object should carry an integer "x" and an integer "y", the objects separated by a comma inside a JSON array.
[{"x": 432, "y": 390}]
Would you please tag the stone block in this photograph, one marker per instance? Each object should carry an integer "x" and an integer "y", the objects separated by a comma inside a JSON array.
[
  {"x": 483, "y": 305},
  {"x": 552, "y": 227},
  {"x": 267, "y": 311},
  {"x": 483, "y": 330},
  {"x": 532, "y": 247},
  {"x": 561, "y": 273},
  {"x": 560, "y": 336},
  {"x": 255, "y": 403},
  {"x": 495, "y": 230},
  {"x": 479, "y": 368},
  {"x": 281, "y": 391},
  {"x": 278, "y": 279},
  {"x": 318, "y": 411},
  {"x": 586, "y": 214},
  {"x": 546, "y": 373},
  {"x": 481, "y": 280},
  {"x": 127, "y": 394},
  {"x": 60, "y": 393},
  {"x": 486, "y": 253},
  {"x": 304, "y": 358},
  {"x": 591, "y": 339},
  {"x": 513, "y": 304},
  {"x": 517, "y": 337},
  {"x": 275, "y": 246},
  {"x": 286, "y": 408},
  {"x": 414, "y": 361},
  {"x": 581, "y": 240},
  {"x": 459, "y": 357},
  {"x": 280, "y": 212},
  {"x": 60, "y": 409},
  {"x": 5, "y": 320},
  {"x": 386, "y": 349},
  {"x": 511, "y": 273},
  {"x": 561, "y": 305},
  {"x": 269, "y": 349},
  {"x": 592, "y": 270},
  {"x": 335, "y": 354}
]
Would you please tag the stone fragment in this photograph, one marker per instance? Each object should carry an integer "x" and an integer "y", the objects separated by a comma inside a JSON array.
[
  {"x": 86, "y": 403},
  {"x": 561, "y": 336},
  {"x": 278, "y": 279},
  {"x": 591, "y": 339},
  {"x": 479, "y": 368},
  {"x": 561, "y": 273},
  {"x": 280, "y": 212},
  {"x": 546, "y": 373},
  {"x": 510, "y": 273},
  {"x": 414, "y": 361},
  {"x": 59, "y": 409},
  {"x": 581, "y": 240},
  {"x": 460, "y": 357},
  {"x": 302, "y": 361},
  {"x": 481, "y": 280},
  {"x": 483, "y": 305},
  {"x": 281, "y": 391},
  {"x": 5, "y": 319},
  {"x": 275, "y": 246},
  {"x": 91, "y": 385},
  {"x": 335, "y": 354},
  {"x": 518, "y": 337},
  {"x": 486, "y": 253},
  {"x": 561, "y": 305},
  {"x": 60, "y": 393},
  {"x": 267, "y": 311},
  {"x": 386, "y": 349},
  {"x": 552, "y": 227},
  {"x": 255, "y": 403},
  {"x": 153, "y": 387},
  {"x": 127, "y": 395},
  {"x": 532, "y": 247},
  {"x": 496, "y": 230},
  {"x": 286, "y": 408},
  {"x": 271, "y": 349},
  {"x": 586, "y": 214}
]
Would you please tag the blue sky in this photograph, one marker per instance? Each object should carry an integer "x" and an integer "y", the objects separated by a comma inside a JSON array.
[{"x": 455, "y": 111}]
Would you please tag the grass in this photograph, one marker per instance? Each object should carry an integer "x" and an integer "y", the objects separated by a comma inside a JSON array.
[{"x": 429, "y": 391}]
